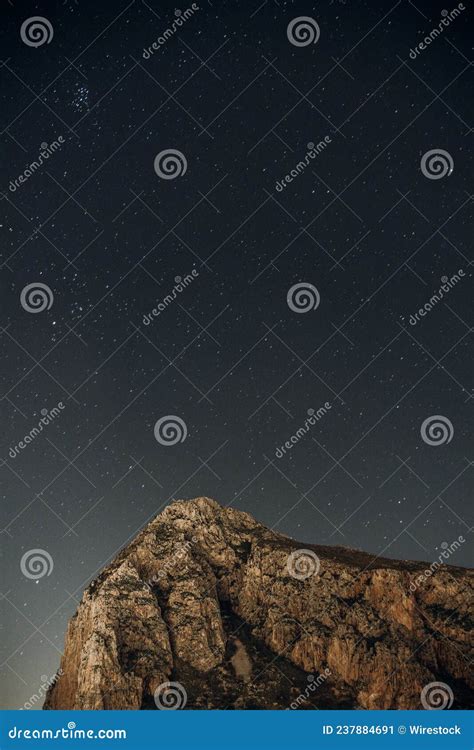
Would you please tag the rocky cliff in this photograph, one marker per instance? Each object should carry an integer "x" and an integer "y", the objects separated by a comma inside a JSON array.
[{"x": 207, "y": 608}]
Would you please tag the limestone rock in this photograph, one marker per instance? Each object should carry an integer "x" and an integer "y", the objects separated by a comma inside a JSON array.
[{"x": 208, "y": 597}]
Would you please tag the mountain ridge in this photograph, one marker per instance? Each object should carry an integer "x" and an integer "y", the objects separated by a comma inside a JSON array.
[{"x": 207, "y": 598}]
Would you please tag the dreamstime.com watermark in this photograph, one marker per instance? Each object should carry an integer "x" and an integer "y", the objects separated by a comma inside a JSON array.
[
  {"x": 314, "y": 149},
  {"x": 47, "y": 150},
  {"x": 46, "y": 683},
  {"x": 46, "y": 419},
  {"x": 448, "y": 16},
  {"x": 448, "y": 550},
  {"x": 179, "y": 287},
  {"x": 314, "y": 684},
  {"x": 181, "y": 550},
  {"x": 180, "y": 20},
  {"x": 446, "y": 285},
  {"x": 301, "y": 432},
  {"x": 67, "y": 733}
]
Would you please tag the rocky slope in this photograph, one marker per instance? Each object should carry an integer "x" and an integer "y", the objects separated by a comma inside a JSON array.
[{"x": 234, "y": 615}]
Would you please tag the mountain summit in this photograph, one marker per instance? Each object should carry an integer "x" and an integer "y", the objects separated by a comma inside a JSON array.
[{"x": 207, "y": 608}]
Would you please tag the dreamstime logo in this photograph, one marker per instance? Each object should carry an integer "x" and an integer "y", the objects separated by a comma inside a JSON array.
[
  {"x": 314, "y": 149},
  {"x": 303, "y": 297},
  {"x": 313, "y": 418},
  {"x": 36, "y": 297},
  {"x": 36, "y": 31},
  {"x": 36, "y": 563},
  {"x": 436, "y": 696},
  {"x": 47, "y": 150},
  {"x": 180, "y": 285},
  {"x": 303, "y": 31},
  {"x": 313, "y": 684},
  {"x": 168, "y": 565},
  {"x": 170, "y": 696},
  {"x": 170, "y": 430},
  {"x": 170, "y": 164},
  {"x": 436, "y": 164},
  {"x": 448, "y": 550},
  {"x": 67, "y": 732},
  {"x": 180, "y": 19},
  {"x": 447, "y": 17},
  {"x": 437, "y": 430},
  {"x": 46, "y": 683},
  {"x": 447, "y": 285},
  {"x": 47, "y": 416},
  {"x": 302, "y": 564}
]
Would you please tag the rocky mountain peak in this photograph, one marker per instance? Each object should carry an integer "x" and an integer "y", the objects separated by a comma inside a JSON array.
[{"x": 208, "y": 608}]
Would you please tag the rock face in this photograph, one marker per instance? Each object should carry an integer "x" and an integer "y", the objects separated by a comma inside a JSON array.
[{"x": 237, "y": 616}]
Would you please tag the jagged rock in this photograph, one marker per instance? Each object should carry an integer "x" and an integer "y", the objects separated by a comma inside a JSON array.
[{"x": 208, "y": 597}]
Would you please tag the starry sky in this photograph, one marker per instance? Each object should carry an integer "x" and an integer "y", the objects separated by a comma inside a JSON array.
[{"x": 229, "y": 358}]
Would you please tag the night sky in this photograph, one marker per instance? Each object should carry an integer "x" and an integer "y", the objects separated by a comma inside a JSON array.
[{"x": 368, "y": 232}]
